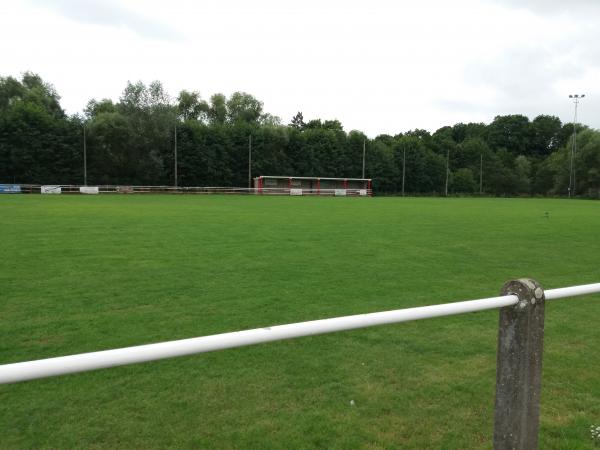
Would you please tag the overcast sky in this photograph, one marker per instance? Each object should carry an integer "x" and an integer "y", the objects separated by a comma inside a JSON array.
[{"x": 377, "y": 66}]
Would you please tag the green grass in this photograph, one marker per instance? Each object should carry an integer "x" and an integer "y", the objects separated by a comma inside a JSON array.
[{"x": 84, "y": 273}]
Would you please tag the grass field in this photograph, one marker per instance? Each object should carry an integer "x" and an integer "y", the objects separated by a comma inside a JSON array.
[{"x": 85, "y": 273}]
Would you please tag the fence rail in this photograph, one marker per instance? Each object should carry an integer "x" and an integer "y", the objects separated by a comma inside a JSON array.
[
  {"x": 127, "y": 189},
  {"x": 23, "y": 371},
  {"x": 519, "y": 354}
]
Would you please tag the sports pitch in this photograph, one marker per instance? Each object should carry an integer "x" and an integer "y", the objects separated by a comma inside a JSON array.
[{"x": 87, "y": 273}]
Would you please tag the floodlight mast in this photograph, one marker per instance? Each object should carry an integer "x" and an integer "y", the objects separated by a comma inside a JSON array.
[
  {"x": 576, "y": 98},
  {"x": 403, "y": 167},
  {"x": 175, "y": 155},
  {"x": 84, "y": 156},
  {"x": 447, "y": 170}
]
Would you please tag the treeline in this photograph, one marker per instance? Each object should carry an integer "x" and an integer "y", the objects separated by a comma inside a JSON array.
[{"x": 132, "y": 142}]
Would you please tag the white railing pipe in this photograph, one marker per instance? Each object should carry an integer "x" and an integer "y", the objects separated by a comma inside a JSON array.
[
  {"x": 22, "y": 371},
  {"x": 11, "y": 373},
  {"x": 553, "y": 294}
]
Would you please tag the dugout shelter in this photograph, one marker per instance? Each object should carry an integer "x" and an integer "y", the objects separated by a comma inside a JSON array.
[{"x": 313, "y": 186}]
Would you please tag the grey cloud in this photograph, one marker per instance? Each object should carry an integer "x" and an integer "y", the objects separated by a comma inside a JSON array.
[
  {"x": 110, "y": 13},
  {"x": 522, "y": 72},
  {"x": 471, "y": 107},
  {"x": 553, "y": 6},
  {"x": 523, "y": 80}
]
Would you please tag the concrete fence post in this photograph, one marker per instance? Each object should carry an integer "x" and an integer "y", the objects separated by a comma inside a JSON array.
[{"x": 519, "y": 367}]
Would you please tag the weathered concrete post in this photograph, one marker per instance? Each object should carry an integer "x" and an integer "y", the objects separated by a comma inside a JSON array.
[{"x": 519, "y": 367}]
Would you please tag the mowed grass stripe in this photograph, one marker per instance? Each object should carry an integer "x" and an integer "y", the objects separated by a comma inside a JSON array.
[{"x": 89, "y": 273}]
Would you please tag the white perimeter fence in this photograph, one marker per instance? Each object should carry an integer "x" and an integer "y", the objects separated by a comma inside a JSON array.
[
  {"x": 519, "y": 352},
  {"x": 125, "y": 189}
]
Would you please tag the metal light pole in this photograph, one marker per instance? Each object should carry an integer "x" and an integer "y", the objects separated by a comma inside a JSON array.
[
  {"x": 403, "y": 167},
  {"x": 175, "y": 168},
  {"x": 84, "y": 157},
  {"x": 447, "y": 169},
  {"x": 576, "y": 98},
  {"x": 481, "y": 174},
  {"x": 249, "y": 161},
  {"x": 364, "y": 153}
]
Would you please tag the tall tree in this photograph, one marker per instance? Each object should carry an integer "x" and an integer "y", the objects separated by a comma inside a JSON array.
[
  {"x": 243, "y": 107},
  {"x": 131, "y": 141},
  {"x": 38, "y": 143},
  {"x": 512, "y": 132},
  {"x": 190, "y": 106},
  {"x": 217, "y": 111},
  {"x": 545, "y": 135},
  {"x": 298, "y": 121}
]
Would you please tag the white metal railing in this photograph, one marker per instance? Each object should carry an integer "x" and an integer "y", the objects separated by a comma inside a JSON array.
[
  {"x": 130, "y": 189},
  {"x": 22, "y": 371}
]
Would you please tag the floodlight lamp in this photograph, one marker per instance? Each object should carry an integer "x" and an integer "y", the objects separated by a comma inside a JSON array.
[
  {"x": 582, "y": 95},
  {"x": 570, "y": 96}
]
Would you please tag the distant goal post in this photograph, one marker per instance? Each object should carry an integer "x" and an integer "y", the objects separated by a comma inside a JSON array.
[{"x": 341, "y": 187}]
